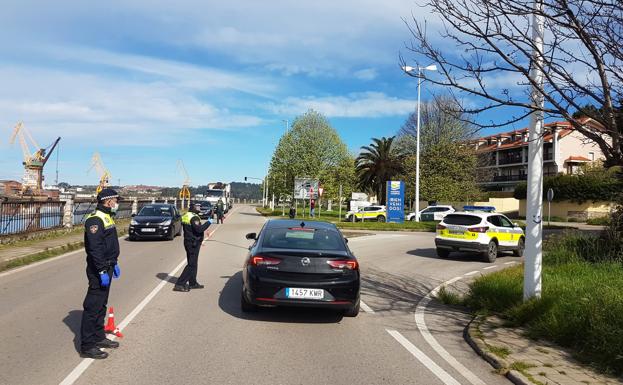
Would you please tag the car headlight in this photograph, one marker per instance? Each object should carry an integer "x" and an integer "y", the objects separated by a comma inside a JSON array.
[
  {"x": 133, "y": 222},
  {"x": 166, "y": 223}
]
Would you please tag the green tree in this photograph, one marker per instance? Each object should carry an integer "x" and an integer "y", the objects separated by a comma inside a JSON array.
[
  {"x": 448, "y": 166},
  {"x": 378, "y": 163},
  {"x": 312, "y": 148}
]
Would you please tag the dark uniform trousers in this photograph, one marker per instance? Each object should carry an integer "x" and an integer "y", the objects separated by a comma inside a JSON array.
[
  {"x": 189, "y": 274},
  {"x": 94, "y": 314}
]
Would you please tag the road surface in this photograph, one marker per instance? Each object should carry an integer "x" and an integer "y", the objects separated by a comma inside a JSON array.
[{"x": 202, "y": 337}]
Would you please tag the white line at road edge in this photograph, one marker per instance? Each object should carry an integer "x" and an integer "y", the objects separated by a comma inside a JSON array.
[
  {"x": 421, "y": 324},
  {"x": 490, "y": 267},
  {"x": 437, "y": 370},
  {"x": 86, "y": 362},
  {"x": 365, "y": 307},
  {"x": 471, "y": 273}
]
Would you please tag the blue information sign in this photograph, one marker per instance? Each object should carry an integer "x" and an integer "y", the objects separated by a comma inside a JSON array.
[{"x": 396, "y": 201}]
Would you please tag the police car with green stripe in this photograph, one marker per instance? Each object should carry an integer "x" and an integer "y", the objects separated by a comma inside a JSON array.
[{"x": 479, "y": 229}]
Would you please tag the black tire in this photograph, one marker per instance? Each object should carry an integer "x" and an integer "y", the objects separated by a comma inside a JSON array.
[
  {"x": 179, "y": 232},
  {"x": 443, "y": 253},
  {"x": 380, "y": 218},
  {"x": 492, "y": 252},
  {"x": 171, "y": 235},
  {"x": 132, "y": 238},
  {"x": 245, "y": 306},
  {"x": 521, "y": 246},
  {"x": 413, "y": 218},
  {"x": 353, "y": 311}
]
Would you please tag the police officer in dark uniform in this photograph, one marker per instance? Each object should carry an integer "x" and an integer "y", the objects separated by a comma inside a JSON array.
[
  {"x": 193, "y": 236},
  {"x": 101, "y": 244}
]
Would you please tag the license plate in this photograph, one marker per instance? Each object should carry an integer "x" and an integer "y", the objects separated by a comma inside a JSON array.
[
  {"x": 148, "y": 230},
  {"x": 299, "y": 293},
  {"x": 456, "y": 230}
]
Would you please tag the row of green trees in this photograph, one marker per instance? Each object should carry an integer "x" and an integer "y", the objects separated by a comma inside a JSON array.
[{"x": 312, "y": 148}]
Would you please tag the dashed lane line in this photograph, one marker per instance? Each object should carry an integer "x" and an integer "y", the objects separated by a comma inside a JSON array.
[
  {"x": 510, "y": 263},
  {"x": 365, "y": 307},
  {"x": 437, "y": 370},
  {"x": 490, "y": 267},
  {"x": 86, "y": 362}
]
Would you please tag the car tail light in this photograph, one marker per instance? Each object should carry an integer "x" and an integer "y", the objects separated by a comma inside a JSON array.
[
  {"x": 483, "y": 229},
  {"x": 258, "y": 260},
  {"x": 344, "y": 264},
  {"x": 440, "y": 226}
]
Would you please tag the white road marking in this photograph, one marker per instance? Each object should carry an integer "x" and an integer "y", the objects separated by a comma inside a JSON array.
[
  {"x": 510, "y": 263},
  {"x": 444, "y": 376},
  {"x": 86, "y": 362},
  {"x": 421, "y": 324},
  {"x": 365, "y": 307},
  {"x": 490, "y": 267},
  {"x": 47, "y": 260},
  {"x": 471, "y": 273}
]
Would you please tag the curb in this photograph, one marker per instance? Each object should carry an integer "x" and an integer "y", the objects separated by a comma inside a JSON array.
[{"x": 481, "y": 349}]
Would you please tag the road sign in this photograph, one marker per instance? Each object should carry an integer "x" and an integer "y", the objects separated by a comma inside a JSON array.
[
  {"x": 303, "y": 187},
  {"x": 396, "y": 201},
  {"x": 550, "y": 195}
]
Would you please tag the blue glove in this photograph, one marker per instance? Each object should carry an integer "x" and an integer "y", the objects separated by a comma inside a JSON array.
[
  {"x": 210, "y": 221},
  {"x": 104, "y": 278},
  {"x": 116, "y": 272}
]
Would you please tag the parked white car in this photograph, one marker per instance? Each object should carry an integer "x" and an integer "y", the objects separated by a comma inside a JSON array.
[{"x": 432, "y": 213}]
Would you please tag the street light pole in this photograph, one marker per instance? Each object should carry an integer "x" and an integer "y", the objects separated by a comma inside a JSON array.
[
  {"x": 534, "y": 218},
  {"x": 409, "y": 69}
]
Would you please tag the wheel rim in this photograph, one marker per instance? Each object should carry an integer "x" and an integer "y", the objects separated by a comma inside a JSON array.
[{"x": 492, "y": 250}]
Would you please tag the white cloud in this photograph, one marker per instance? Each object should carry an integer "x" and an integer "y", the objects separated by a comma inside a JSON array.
[
  {"x": 355, "y": 105},
  {"x": 366, "y": 74}
]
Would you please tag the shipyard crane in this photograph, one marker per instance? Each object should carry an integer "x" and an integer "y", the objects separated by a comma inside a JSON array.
[
  {"x": 184, "y": 192},
  {"x": 32, "y": 183},
  {"x": 98, "y": 165}
]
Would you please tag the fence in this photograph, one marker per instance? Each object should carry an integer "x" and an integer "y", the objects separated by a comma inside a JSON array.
[{"x": 27, "y": 216}]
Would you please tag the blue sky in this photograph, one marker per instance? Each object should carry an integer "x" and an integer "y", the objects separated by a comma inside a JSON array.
[{"x": 148, "y": 82}]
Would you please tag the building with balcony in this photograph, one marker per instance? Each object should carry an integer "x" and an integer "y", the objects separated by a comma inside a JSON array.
[{"x": 504, "y": 156}]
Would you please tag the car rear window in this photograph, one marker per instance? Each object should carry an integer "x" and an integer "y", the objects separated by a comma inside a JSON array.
[
  {"x": 303, "y": 238},
  {"x": 462, "y": 219}
]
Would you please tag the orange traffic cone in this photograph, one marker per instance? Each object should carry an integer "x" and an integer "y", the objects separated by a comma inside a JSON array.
[{"x": 110, "y": 327}]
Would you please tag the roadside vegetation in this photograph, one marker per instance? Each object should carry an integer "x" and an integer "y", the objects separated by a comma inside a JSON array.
[{"x": 582, "y": 298}]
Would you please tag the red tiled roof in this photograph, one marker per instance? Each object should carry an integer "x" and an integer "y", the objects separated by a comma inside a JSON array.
[{"x": 577, "y": 159}]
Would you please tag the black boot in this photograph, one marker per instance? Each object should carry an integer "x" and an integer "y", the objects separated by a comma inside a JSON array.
[
  {"x": 196, "y": 286},
  {"x": 94, "y": 353},
  {"x": 183, "y": 288},
  {"x": 106, "y": 343}
]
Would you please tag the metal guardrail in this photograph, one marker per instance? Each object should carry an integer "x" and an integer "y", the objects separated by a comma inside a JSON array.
[{"x": 27, "y": 216}]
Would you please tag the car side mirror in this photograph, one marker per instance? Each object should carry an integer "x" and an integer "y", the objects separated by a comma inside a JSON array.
[
  {"x": 133, "y": 215},
  {"x": 515, "y": 224},
  {"x": 252, "y": 236},
  {"x": 346, "y": 240}
]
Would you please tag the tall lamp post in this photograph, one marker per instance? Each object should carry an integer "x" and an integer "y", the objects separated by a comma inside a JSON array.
[{"x": 410, "y": 70}]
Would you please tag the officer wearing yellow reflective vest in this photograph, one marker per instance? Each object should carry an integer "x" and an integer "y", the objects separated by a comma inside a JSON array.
[
  {"x": 101, "y": 244},
  {"x": 193, "y": 237}
]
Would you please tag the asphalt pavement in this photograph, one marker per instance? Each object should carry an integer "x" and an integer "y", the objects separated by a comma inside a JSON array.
[{"x": 202, "y": 337}]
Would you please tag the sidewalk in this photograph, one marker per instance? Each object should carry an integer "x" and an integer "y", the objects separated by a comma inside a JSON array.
[
  {"x": 8, "y": 253},
  {"x": 525, "y": 361}
]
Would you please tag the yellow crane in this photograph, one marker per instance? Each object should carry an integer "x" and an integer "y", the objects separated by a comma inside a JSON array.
[
  {"x": 34, "y": 162},
  {"x": 98, "y": 165},
  {"x": 184, "y": 192}
]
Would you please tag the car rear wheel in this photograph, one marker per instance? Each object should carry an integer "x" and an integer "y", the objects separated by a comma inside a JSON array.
[
  {"x": 380, "y": 218},
  {"x": 353, "y": 311},
  {"x": 521, "y": 246},
  {"x": 412, "y": 219},
  {"x": 443, "y": 253},
  {"x": 492, "y": 252},
  {"x": 245, "y": 306}
]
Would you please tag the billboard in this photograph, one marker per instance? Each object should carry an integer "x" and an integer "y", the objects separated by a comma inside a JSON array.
[
  {"x": 396, "y": 201},
  {"x": 305, "y": 188}
]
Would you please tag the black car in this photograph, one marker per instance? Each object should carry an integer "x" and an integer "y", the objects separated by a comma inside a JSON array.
[
  {"x": 294, "y": 263},
  {"x": 158, "y": 220},
  {"x": 207, "y": 210}
]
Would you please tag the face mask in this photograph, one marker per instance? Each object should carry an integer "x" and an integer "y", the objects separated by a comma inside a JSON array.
[{"x": 114, "y": 208}]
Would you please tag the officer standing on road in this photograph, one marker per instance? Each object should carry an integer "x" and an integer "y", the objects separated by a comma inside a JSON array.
[
  {"x": 101, "y": 244},
  {"x": 193, "y": 236},
  {"x": 220, "y": 211}
]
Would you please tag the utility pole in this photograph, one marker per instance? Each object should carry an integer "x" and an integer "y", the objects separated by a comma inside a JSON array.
[{"x": 534, "y": 217}]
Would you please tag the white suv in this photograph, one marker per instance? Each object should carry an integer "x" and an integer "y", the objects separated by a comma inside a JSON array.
[{"x": 432, "y": 213}]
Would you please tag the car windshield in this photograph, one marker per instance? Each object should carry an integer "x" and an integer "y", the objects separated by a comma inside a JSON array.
[
  {"x": 155, "y": 211},
  {"x": 215, "y": 193},
  {"x": 303, "y": 238},
  {"x": 206, "y": 205},
  {"x": 462, "y": 219}
]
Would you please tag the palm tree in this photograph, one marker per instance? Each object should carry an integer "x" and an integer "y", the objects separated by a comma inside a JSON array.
[{"x": 377, "y": 164}]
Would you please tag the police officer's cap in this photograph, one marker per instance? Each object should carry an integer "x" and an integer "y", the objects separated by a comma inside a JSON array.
[{"x": 107, "y": 193}]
